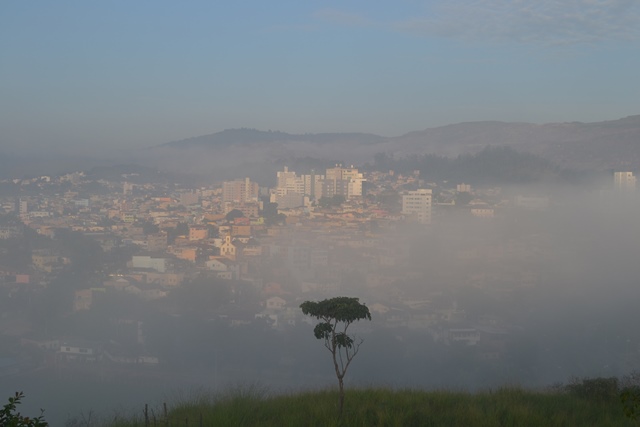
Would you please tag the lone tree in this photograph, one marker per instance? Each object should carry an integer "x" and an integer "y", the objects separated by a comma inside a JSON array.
[{"x": 336, "y": 315}]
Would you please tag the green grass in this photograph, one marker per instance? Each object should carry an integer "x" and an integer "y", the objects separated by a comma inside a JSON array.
[{"x": 387, "y": 407}]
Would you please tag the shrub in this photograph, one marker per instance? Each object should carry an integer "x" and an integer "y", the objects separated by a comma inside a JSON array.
[
  {"x": 630, "y": 399},
  {"x": 10, "y": 418},
  {"x": 595, "y": 388}
]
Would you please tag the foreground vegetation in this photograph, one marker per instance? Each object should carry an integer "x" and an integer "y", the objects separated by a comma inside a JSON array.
[
  {"x": 10, "y": 417},
  {"x": 583, "y": 402},
  {"x": 387, "y": 407}
]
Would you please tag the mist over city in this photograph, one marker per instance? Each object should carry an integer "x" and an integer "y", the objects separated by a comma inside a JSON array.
[{"x": 178, "y": 182}]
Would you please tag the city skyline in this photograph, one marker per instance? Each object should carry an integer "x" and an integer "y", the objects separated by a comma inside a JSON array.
[{"x": 98, "y": 77}]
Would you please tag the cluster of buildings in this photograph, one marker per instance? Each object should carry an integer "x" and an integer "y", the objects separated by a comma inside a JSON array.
[
  {"x": 220, "y": 231},
  {"x": 293, "y": 190}
]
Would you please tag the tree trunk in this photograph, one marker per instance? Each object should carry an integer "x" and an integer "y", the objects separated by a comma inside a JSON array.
[{"x": 341, "y": 384}]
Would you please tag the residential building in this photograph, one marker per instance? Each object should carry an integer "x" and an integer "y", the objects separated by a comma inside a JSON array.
[
  {"x": 240, "y": 191},
  {"x": 624, "y": 181},
  {"x": 346, "y": 182},
  {"x": 198, "y": 232},
  {"x": 291, "y": 190},
  {"x": 483, "y": 212},
  {"x": 417, "y": 204},
  {"x": 188, "y": 198},
  {"x": 146, "y": 261},
  {"x": 463, "y": 188},
  {"x": 287, "y": 199}
]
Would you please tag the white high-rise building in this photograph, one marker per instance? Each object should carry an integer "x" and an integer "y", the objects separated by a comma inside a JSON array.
[
  {"x": 417, "y": 204},
  {"x": 292, "y": 190},
  {"x": 285, "y": 178},
  {"x": 289, "y": 191},
  {"x": 624, "y": 181},
  {"x": 289, "y": 182},
  {"x": 313, "y": 185},
  {"x": 338, "y": 177}
]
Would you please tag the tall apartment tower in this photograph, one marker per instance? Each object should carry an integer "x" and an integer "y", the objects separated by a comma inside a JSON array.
[
  {"x": 338, "y": 178},
  {"x": 290, "y": 182},
  {"x": 23, "y": 207},
  {"x": 313, "y": 185},
  {"x": 292, "y": 190},
  {"x": 286, "y": 178},
  {"x": 289, "y": 191},
  {"x": 417, "y": 204},
  {"x": 624, "y": 181},
  {"x": 240, "y": 191}
]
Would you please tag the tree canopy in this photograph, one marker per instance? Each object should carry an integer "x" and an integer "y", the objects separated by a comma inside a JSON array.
[
  {"x": 340, "y": 309},
  {"x": 495, "y": 165},
  {"x": 329, "y": 202},
  {"x": 233, "y": 214}
]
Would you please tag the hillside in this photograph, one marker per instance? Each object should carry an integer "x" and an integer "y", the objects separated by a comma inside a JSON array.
[
  {"x": 601, "y": 146},
  {"x": 386, "y": 407},
  {"x": 235, "y": 153}
]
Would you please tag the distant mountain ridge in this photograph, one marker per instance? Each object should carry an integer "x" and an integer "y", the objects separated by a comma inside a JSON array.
[
  {"x": 234, "y": 153},
  {"x": 605, "y": 145},
  {"x": 253, "y": 136},
  {"x": 573, "y": 142}
]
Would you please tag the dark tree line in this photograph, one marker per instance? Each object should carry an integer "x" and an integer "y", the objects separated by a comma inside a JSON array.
[{"x": 492, "y": 165}]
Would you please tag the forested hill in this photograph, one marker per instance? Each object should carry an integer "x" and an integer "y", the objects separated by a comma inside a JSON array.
[
  {"x": 605, "y": 145},
  {"x": 491, "y": 166},
  {"x": 602, "y": 145}
]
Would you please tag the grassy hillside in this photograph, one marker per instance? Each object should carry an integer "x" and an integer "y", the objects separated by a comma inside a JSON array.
[{"x": 386, "y": 407}]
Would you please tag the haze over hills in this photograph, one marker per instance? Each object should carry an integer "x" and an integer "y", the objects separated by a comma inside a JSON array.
[
  {"x": 600, "y": 145},
  {"x": 241, "y": 152},
  {"x": 253, "y": 136}
]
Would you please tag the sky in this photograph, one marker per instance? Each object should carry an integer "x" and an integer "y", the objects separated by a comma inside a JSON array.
[{"x": 83, "y": 76}]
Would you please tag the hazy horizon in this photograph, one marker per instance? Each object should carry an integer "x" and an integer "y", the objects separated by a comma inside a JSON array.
[{"x": 86, "y": 78}]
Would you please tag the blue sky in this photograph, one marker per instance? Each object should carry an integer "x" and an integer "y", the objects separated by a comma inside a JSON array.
[{"x": 104, "y": 75}]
